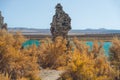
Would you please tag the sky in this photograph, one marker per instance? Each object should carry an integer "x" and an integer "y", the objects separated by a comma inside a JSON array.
[{"x": 92, "y": 14}]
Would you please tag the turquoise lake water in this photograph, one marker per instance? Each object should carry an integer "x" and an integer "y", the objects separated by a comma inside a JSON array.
[
  {"x": 30, "y": 43},
  {"x": 106, "y": 46}
]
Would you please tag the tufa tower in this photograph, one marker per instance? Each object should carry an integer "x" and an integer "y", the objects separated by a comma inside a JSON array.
[
  {"x": 61, "y": 23},
  {"x": 2, "y": 24}
]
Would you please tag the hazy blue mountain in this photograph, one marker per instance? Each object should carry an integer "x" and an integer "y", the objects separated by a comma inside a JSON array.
[{"x": 47, "y": 31}]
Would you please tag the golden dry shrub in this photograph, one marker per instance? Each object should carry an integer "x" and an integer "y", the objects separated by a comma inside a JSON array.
[
  {"x": 19, "y": 39},
  {"x": 84, "y": 66},
  {"x": 80, "y": 45},
  {"x": 97, "y": 46},
  {"x": 15, "y": 62},
  {"x": 115, "y": 50},
  {"x": 102, "y": 64},
  {"x": 4, "y": 77},
  {"x": 115, "y": 56},
  {"x": 80, "y": 68},
  {"x": 54, "y": 55},
  {"x": 30, "y": 66},
  {"x": 97, "y": 49},
  {"x": 103, "y": 68}
]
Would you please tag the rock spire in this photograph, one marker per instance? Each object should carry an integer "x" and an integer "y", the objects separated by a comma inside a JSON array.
[
  {"x": 2, "y": 24},
  {"x": 61, "y": 23}
]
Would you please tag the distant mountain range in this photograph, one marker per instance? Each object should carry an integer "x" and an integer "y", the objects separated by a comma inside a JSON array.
[{"x": 76, "y": 32}]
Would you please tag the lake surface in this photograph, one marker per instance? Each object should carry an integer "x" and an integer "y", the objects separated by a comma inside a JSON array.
[{"x": 106, "y": 46}]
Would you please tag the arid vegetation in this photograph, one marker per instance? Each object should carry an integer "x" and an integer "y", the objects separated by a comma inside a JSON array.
[
  {"x": 74, "y": 57},
  {"x": 88, "y": 64},
  {"x": 115, "y": 57},
  {"x": 54, "y": 55},
  {"x": 14, "y": 62}
]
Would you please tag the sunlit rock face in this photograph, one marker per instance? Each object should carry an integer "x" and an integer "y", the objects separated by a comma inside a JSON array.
[
  {"x": 61, "y": 23},
  {"x": 2, "y": 24}
]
